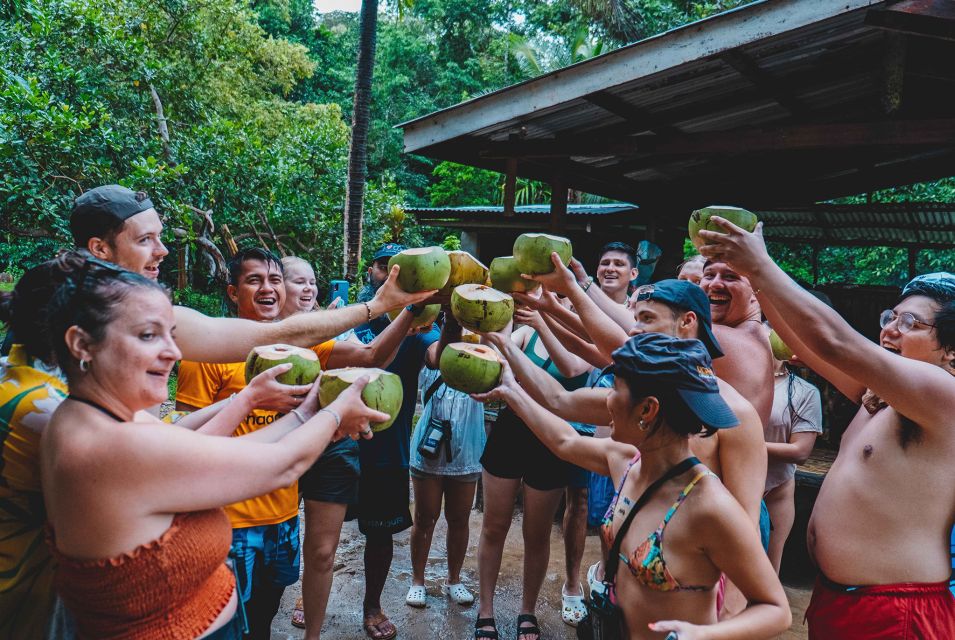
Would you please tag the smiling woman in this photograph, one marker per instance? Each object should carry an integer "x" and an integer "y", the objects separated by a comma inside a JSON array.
[{"x": 133, "y": 504}]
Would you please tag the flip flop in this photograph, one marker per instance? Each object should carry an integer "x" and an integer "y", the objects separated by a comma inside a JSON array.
[
  {"x": 298, "y": 615},
  {"x": 372, "y": 628}
]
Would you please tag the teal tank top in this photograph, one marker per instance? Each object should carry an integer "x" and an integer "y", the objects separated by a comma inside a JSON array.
[{"x": 548, "y": 365}]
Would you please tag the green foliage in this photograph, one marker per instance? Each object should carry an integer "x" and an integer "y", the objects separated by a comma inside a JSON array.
[
  {"x": 461, "y": 185},
  {"x": 451, "y": 243}
]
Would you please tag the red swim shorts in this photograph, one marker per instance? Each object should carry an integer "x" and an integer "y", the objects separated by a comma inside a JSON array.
[{"x": 911, "y": 611}]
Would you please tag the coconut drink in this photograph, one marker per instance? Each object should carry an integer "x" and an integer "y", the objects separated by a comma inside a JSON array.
[
  {"x": 532, "y": 252},
  {"x": 424, "y": 318},
  {"x": 701, "y": 219},
  {"x": 481, "y": 308},
  {"x": 506, "y": 276},
  {"x": 471, "y": 368},
  {"x": 781, "y": 350},
  {"x": 305, "y": 364},
  {"x": 465, "y": 269},
  {"x": 422, "y": 269},
  {"x": 382, "y": 393}
]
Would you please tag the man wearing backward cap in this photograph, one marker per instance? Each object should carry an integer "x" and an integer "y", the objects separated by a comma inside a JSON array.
[{"x": 122, "y": 226}]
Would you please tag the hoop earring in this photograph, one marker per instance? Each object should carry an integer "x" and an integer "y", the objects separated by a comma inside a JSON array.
[{"x": 84, "y": 365}]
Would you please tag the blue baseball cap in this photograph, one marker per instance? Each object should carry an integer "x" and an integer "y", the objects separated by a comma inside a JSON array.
[
  {"x": 387, "y": 250},
  {"x": 939, "y": 286},
  {"x": 653, "y": 360},
  {"x": 685, "y": 295}
]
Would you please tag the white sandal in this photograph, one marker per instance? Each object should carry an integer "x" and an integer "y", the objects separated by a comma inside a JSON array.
[
  {"x": 417, "y": 596},
  {"x": 459, "y": 594},
  {"x": 573, "y": 608},
  {"x": 593, "y": 583}
]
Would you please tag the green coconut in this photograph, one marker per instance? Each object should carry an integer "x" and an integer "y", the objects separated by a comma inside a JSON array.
[
  {"x": 700, "y": 219},
  {"x": 465, "y": 269},
  {"x": 506, "y": 276},
  {"x": 532, "y": 252},
  {"x": 471, "y": 368},
  {"x": 781, "y": 350},
  {"x": 424, "y": 318},
  {"x": 305, "y": 364},
  {"x": 382, "y": 393},
  {"x": 422, "y": 269},
  {"x": 481, "y": 308}
]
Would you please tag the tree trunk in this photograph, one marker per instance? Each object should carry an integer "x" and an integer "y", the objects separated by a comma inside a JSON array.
[{"x": 357, "y": 155}]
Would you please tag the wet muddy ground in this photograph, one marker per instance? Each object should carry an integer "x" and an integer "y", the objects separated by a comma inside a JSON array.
[{"x": 443, "y": 619}]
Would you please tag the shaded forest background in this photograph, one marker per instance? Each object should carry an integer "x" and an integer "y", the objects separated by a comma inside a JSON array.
[{"x": 236, "y": 112}]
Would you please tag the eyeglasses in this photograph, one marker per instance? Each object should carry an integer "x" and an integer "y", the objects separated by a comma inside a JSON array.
[{"x": 906, "y": 321}]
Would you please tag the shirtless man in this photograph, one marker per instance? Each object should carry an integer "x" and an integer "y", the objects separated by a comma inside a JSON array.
[
  {"x": 121, "y": 226},
  {"x": 879, "y": 531},
  {"x": 737, "y": 322}
]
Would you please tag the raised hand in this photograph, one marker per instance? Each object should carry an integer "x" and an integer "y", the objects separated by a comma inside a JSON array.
[
  {"x": 390, "y": 296},
  {"x": 265, "y": 392},
  {"x": 743, "y": 251},
  {"x": 497, "y": 338},
  {"x": 504, "y": 391},
  {"x": 561, "y": 280},
  {"x": 355, "y": 414},
  {"x": 530, "y": 317}
]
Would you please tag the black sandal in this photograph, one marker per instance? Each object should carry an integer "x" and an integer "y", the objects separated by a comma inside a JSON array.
[
  {"x": 534, "y": 629},
  {"x": 484, "y": 633}
]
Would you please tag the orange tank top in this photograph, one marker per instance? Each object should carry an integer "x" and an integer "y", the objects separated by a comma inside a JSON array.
[{"x": 169, "y": 589}]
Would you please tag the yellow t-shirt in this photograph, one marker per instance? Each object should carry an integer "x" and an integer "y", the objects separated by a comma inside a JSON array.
[{"x": 201, "y": 384}]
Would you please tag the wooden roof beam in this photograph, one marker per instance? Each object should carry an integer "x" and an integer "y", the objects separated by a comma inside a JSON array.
[
  {"x": 631, "y": 113},
  {"x": 767, "y": 84},
  {"x": 894, "y": 133},
  {"x": 929, "y": 18}
]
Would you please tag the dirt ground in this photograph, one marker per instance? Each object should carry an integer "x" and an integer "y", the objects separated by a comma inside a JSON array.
[{"x": 443, "y": 619}]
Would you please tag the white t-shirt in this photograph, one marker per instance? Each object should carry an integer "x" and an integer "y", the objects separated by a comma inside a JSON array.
[{"x": 783, "y": 422}]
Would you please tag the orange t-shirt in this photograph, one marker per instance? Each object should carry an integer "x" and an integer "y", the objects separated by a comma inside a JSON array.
[{"x": 201, "y": 384}]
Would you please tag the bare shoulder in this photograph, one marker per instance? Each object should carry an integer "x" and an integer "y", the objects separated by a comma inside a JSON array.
[
  {"x": 619, "y": 457},
  {"x": 714, "y": 502}
]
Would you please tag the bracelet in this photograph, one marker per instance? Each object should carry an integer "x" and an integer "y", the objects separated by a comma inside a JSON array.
[
  {"x": 338, "y": 418},
  {"x": 298, "y": 414},
  {"x": 590, "y": 281},
  {"x": 368, "y": 309}
]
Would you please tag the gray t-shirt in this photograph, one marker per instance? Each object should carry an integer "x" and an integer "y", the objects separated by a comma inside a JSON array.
[{"x": 783, "y": 422}]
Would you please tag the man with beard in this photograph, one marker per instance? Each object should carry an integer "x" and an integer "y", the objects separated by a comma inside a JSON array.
[
  {"x": 879, "y": 531},
  {"x": 122, "y": 226},
  {"x": 383, "y": 489}
]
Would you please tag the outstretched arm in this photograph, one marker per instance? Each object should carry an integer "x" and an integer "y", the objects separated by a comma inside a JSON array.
[
  {"x": 377, "y": 353},
  {"x": 617, "y": 312},
  {"x": 567, "y": 363},
  {"x": 556, "y": 434},
  {"x": 921, "y": 391},
  {"x": 581, "y": 348},
  {"x": 206, "y": 339},
  {"x": 581, "y": 405}
]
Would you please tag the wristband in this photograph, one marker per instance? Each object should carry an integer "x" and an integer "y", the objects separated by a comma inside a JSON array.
[
  {"x": 368, "y": 309},
  {"x": 338, "y": 418},
  {"x": 590, "y": 281},
  {"x": 298, "y": 414}
]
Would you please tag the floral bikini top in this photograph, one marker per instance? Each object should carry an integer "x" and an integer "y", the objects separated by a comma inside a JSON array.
[{"x": 646, "y": 563}]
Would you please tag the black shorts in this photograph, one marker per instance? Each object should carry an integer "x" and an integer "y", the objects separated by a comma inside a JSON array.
[
  {"x": 334, "y": 476},
  {"x": 514, "y": 452},
  {"x": 384, "y": 500}
]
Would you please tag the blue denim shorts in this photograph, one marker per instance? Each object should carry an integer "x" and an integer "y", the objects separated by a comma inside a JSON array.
[{"x": 266, "y": 554}]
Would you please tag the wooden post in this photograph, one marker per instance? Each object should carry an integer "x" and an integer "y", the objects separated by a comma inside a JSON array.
[
  {"x": 510, "y": 186},
  {"x": 558, "y": 205}
]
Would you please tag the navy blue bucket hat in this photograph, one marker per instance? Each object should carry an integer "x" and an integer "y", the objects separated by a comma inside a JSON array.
[{"x": 656, "y": 359}]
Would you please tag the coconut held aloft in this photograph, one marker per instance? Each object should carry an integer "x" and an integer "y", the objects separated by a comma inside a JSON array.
[
  {"x": 465, "y": 269},
  {"x": 506, "y": 276},
  {"x": 700, "y": 219},
  {"x": 305, "y": 364},
  {"x": 781, "y": 350},
  {"x": 480, "y": 308},
  {"x": 532, "y": 252},
  {"x": 471, "y": 368},
  {"x": 424, "y": 318},
  {"x": 382, "y": 393},
  {"x": 421, "y": 269}
]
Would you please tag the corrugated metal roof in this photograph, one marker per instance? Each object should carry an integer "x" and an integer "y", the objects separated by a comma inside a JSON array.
[
  {"x": 598, "y": 209},
  {"x": 770, "y": 70}
]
